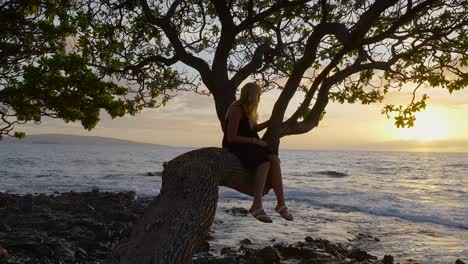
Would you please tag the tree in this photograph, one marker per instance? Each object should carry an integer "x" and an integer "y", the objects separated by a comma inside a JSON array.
[{"x": 69, "y": 59}]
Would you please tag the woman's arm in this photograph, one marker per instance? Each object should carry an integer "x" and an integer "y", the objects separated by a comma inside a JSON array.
[
  {"x": 263, "y": 125},
  {"x": 233, "y": 126}
]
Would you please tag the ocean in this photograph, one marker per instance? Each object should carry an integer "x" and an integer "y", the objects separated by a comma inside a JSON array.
[{"x": 409, "y": 205}]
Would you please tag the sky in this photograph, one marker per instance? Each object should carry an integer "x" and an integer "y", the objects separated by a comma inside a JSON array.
[{"x": 189, "y": 120}]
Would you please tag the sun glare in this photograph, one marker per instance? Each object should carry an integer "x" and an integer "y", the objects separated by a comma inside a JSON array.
[{"x": 429, "y": 125}]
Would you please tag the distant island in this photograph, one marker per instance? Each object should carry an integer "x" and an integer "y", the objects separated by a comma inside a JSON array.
[{"x": 72, "y": 139}]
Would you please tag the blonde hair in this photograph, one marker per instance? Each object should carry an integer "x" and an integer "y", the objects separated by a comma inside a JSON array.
[{"x": 249, "y": 98}]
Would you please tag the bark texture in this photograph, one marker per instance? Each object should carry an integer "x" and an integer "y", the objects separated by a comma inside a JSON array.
[{"x": 172, "y": 228}]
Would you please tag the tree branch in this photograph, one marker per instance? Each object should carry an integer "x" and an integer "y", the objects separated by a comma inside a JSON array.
[
  {"x": 171, "y": 33},
  {"x": 252, "y": 66},
  {"x": 408, "y": 16},
  {"x": 251, "y": 20}
]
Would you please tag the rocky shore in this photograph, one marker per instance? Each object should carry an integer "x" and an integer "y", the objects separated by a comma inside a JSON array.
[{"x": 83, "y": 227}]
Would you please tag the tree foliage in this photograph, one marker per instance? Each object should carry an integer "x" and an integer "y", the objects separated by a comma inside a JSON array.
[{"x": 69, "y": 59}]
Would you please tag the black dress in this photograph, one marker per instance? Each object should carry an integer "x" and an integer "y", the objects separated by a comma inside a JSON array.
[{"x": 251, "y": 155}]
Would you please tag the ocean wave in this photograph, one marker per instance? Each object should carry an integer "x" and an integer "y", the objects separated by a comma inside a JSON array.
[
  {"x": 458, "y": 165},
  {"x": 314, "y": 198},
  {"x": 112, "y": 176},
  {"x": 393, "y": 212},
  {"x": 333, "y": 174}
]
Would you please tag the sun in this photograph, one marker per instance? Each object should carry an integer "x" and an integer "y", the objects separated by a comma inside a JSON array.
[{"x": 430, "y": 125}]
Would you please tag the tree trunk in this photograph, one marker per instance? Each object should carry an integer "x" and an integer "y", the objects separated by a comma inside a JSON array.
[{"x": 172, "y": 228}]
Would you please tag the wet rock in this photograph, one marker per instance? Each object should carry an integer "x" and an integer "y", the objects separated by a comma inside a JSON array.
[
  {"x": 246, "y": 242},
  {"x": 204, "y": 247},
  {"x": 360, "y": 255},
  {"x": 78, "y": 232},
  {"x": 103, "y": 234},
  {"x": 3, "y": 255},
  {"x": 268, "y": 255},
  {"x": 95, "y": 189},
  {"x": 226, "y": 251},
  {"x": 208, "y": 236},
  {"x": 288, "y": 251},
  {"x": 458, "y": 261},
  {"x": 388, "y": 259},
  {"x": 26, "y": 203},
  {"x": 43, "y": 250},
  {"x": 309, "y": 239},
  {"x": 62, "y": 250},
  {"x": 4, "y": 227},
  {"x": 44, "y": 260}
]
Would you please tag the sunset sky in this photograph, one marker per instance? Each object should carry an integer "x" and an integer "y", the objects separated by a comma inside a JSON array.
[{"x": 189, "y": 120}]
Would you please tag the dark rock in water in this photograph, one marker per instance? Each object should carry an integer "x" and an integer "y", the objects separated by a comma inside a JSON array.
[
  {"x": 209, "y": 236},
  {"x": 309, "y": 239},
  {"x": 226, "y": 250},
  {"x": 158, "y": 173},
  {"x": 204, "y": 247},
  {"x": 360, "y": 255},
  {"x": 269, "y": 255},
  {"x": 3, "y": 255},
  {"x": 246, "y": 242},
  {"x": 388, "y": 259},
  {"x": 458, "y": 261},
  {"x": 333, "y": 174},
  {"x": 95, "y": 189}
]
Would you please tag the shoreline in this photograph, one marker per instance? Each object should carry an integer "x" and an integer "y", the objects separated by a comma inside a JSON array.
[{"x": 83, "y": 227}]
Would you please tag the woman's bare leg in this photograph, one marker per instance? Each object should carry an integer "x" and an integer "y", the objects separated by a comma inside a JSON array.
[
  {"x": 261, "y": 174},
  {"x": 276, "y": 180}
]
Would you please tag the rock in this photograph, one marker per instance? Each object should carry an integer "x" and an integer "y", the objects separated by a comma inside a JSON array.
[
  {"x": 226, "y": 250},
  {"x": 208, "y": 236},
  {"x": 246, "y": 242},
  {"x": 95, "y": 189},
  {"x": 79, "y": 232},
  {"x": 289, "y": 251},
  {"x": 43, "y": 250},
  {"x": 309, "y": 239},
  {"x": 26, "y": 203},
  {"x": 103, "y": 234},
  {"x": 44, "y": 260},
  {"x": 62, "y": 250},
  {"x": 3, "y": 255},
  {"x": 388, "y": 259},
  {"x": 268, "y": 255},
  {"x": 4, "y": 227},
  {"x": 360, "y": 255},
  {"x": 204, "y": 247},
  {"x": 458, "y": 261},
  {"x": 81, "y": 253}
]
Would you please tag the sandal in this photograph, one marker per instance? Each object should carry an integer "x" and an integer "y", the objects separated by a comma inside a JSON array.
[
  {"x": 261, "y": 216},
  {"x": 284, "y": 213}
]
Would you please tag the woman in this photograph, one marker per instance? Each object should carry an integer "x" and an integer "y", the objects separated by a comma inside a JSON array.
[{"x": 241, "y": 138}]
